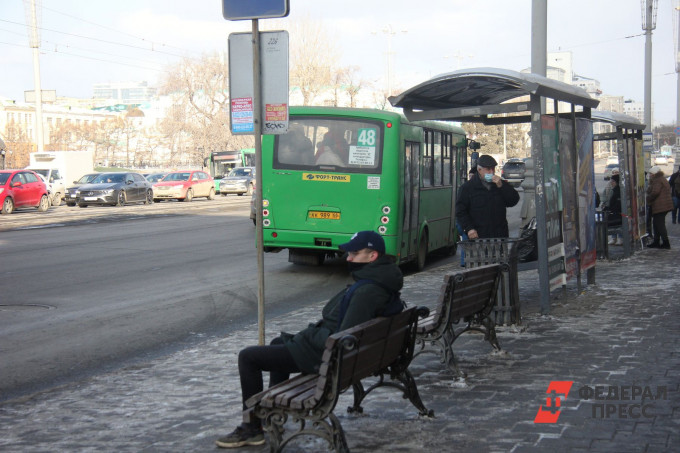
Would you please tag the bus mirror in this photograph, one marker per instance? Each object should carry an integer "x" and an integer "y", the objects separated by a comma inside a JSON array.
[
  {"x": 473, "y": 144},
  {"x": 206, "y": 162}
]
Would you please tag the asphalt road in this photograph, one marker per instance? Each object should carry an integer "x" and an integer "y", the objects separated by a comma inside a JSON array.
[{"x": 83, "y": 290}]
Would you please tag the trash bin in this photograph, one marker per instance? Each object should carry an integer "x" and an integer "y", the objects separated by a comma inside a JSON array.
[
  {"x": 503, "y": 251},
  {"x": 601, "y": 234}
]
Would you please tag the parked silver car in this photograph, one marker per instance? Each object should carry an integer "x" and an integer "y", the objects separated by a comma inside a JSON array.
[{"x": 240, "y": 180}]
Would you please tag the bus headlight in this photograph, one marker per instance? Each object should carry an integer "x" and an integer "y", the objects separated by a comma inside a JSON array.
[
  {"x": 382, "y": 229},
  {"x": 384, "y": 219},
  {"x": 265, "y": 213},
  {"x": 266, "y": 222},
  {"x": 265, "y": 203},
  {"x": 386, "y": 210}
]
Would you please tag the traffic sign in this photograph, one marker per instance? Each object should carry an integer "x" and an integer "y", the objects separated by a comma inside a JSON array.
[{"x": 260, "y": 9}]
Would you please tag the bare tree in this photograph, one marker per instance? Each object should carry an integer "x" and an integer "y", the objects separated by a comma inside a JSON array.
[
  {"x": 313, "y": 58},
  {"x": 198, "y": 121}
]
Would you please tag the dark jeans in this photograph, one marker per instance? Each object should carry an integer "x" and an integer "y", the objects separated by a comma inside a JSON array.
[
  {"x": 675, "y": 213},
  {"x": 253, "y": 360},
  {"x": 660, "y": 233}
]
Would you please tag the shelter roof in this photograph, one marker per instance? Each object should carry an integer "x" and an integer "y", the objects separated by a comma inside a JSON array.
[
  {"x": 477, "y": 91},
  {"x": 617, "y": 119}
]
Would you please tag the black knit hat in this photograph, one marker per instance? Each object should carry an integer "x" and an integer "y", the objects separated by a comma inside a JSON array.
[{"x": 486, "y": 161}]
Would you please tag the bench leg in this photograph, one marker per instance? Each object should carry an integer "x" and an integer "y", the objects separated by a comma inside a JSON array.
[
  {"x": 329, "y": 428},
  {"x": 490, "y": 334},
  {"x": 411, "y": 392},
  {"x": 359, "y": 394},
  {"x": 339, "y": 443}
]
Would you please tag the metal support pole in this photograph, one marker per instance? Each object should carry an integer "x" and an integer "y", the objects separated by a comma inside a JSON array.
[
  {"x": 257, "y": 120},
  {"x": 624, "y": 182},
  {"x": 575, "y": 176},
  {"x": 539, "y": 177}
]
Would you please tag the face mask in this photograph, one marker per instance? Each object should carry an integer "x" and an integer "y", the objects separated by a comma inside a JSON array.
[{"x": 488, "y": 177}]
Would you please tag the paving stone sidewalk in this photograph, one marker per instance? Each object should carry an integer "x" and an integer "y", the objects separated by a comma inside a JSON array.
[{"x": 621, "y": 334}]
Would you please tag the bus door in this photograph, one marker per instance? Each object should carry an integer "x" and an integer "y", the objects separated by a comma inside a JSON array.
[{"x": 409, "y": 241}]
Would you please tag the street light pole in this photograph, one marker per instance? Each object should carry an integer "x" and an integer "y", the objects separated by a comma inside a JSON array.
[
  {"x": 648, "y": 24},
  {"x": 390, "y": 32},
  {"x": 34, "y": 42}
]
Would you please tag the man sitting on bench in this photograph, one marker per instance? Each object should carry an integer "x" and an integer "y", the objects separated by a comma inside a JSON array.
[{"x": 375, "y": 293}]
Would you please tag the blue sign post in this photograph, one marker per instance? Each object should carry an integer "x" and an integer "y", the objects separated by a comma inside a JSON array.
[{"x": 260, "y": 9}]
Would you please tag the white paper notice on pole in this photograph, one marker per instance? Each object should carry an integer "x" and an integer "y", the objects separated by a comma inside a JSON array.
[{"x": 274, "y": 82}]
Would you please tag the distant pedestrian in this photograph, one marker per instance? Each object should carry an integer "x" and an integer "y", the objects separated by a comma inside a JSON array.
[
  {"x": 660, "y": 202},
  {"x": 675, "y": 193},
  {"x": 613, "y": 208}
]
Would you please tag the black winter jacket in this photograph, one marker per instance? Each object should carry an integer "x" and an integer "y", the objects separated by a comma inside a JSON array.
[
  {"x": 368, "y": 301},
  {"x": 484, "y": 210}
]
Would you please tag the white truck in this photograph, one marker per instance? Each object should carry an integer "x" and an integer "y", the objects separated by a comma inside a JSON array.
[{"x": 60, "y": 169}]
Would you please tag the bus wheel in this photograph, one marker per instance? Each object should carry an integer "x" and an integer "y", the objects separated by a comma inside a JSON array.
[{"x": 422, "y": 253}]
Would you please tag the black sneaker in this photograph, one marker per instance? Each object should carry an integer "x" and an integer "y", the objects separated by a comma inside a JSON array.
[
  {"x": 666, "y": 246},
  {"x": 241, "y": 437},
  {"x": 653, "y": 246}
]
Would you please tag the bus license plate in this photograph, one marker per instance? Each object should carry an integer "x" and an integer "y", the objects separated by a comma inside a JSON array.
[{"x": 324, "y": 215}]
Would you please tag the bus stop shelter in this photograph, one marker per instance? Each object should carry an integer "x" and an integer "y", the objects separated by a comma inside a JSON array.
[
  {"x": 627, "y": 132},
  {"x": 561, "y": 147}
]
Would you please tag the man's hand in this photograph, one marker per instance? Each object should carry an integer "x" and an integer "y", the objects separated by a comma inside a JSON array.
[
  {"x": 472, "y": 234},
  {"x": 497, "y": 180}
]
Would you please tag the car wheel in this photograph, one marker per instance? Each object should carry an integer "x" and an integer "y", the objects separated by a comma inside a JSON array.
[
  {"x": 56, "y": 201},
  {"x": 121, "y": 198},
  {"x": 156, "y": 200},
  {"x": 240, "y": 194},
  {"x": 82, "y": 205},
  {"x": 70, "y": 204},
  {"x": 224, "y": 194},
  {"x": 149, "y": 197},
  {"x": 8, "y": 206},
  {"x": 44, "y": 204},
  {"x": 211, "y": 194},
  {"x": 189, "y": 196}
]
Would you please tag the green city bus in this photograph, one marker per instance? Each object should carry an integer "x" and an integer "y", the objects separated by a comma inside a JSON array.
[
  {"x": 341, "y": 170},
  {"x": 220, "y": 163}
]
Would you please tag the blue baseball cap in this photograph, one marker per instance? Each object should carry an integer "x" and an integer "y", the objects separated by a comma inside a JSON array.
[{"x": 364, "y": 240}]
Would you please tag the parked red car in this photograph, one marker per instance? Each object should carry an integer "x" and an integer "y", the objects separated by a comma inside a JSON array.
[
  {"x": 184, "y": 185},
  {"x": 22, "y": 188}
]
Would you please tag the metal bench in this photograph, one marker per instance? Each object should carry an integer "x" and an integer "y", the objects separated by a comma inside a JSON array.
[
  {"x": 382, "y": 347},
  {"x": 468, "y": 296}
]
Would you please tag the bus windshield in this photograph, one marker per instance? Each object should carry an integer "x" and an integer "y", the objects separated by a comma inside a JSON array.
[{"x": 330, "y": 144}]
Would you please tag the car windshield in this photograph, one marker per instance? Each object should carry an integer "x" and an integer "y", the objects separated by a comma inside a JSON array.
[
  {"x": 177, "y": 177},
  {"x": 4, "y": 177},
  {"x": 86, "y": 179},
  {"x": 242, "y": 171},
  {"x": 611, "y": 166},
  {"x": 155, "y": 177},
  {"x": 106, "y": 178}
]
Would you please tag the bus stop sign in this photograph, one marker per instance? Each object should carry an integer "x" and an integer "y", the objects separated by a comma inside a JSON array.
[{"x": 260, "y": 9}]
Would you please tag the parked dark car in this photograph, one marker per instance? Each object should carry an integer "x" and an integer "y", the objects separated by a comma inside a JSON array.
[
  {"x": 22, "y": 188},
  {"x": 70, "y": 192},
  {"x": 513, "y": 171},
  {"x": 115, "y": 189}
]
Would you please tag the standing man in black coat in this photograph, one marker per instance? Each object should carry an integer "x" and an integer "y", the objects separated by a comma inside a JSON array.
[{"x": 482, "y": 202}]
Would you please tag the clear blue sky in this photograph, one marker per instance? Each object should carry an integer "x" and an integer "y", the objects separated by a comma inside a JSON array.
[{"x": 83, "y": 43}]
